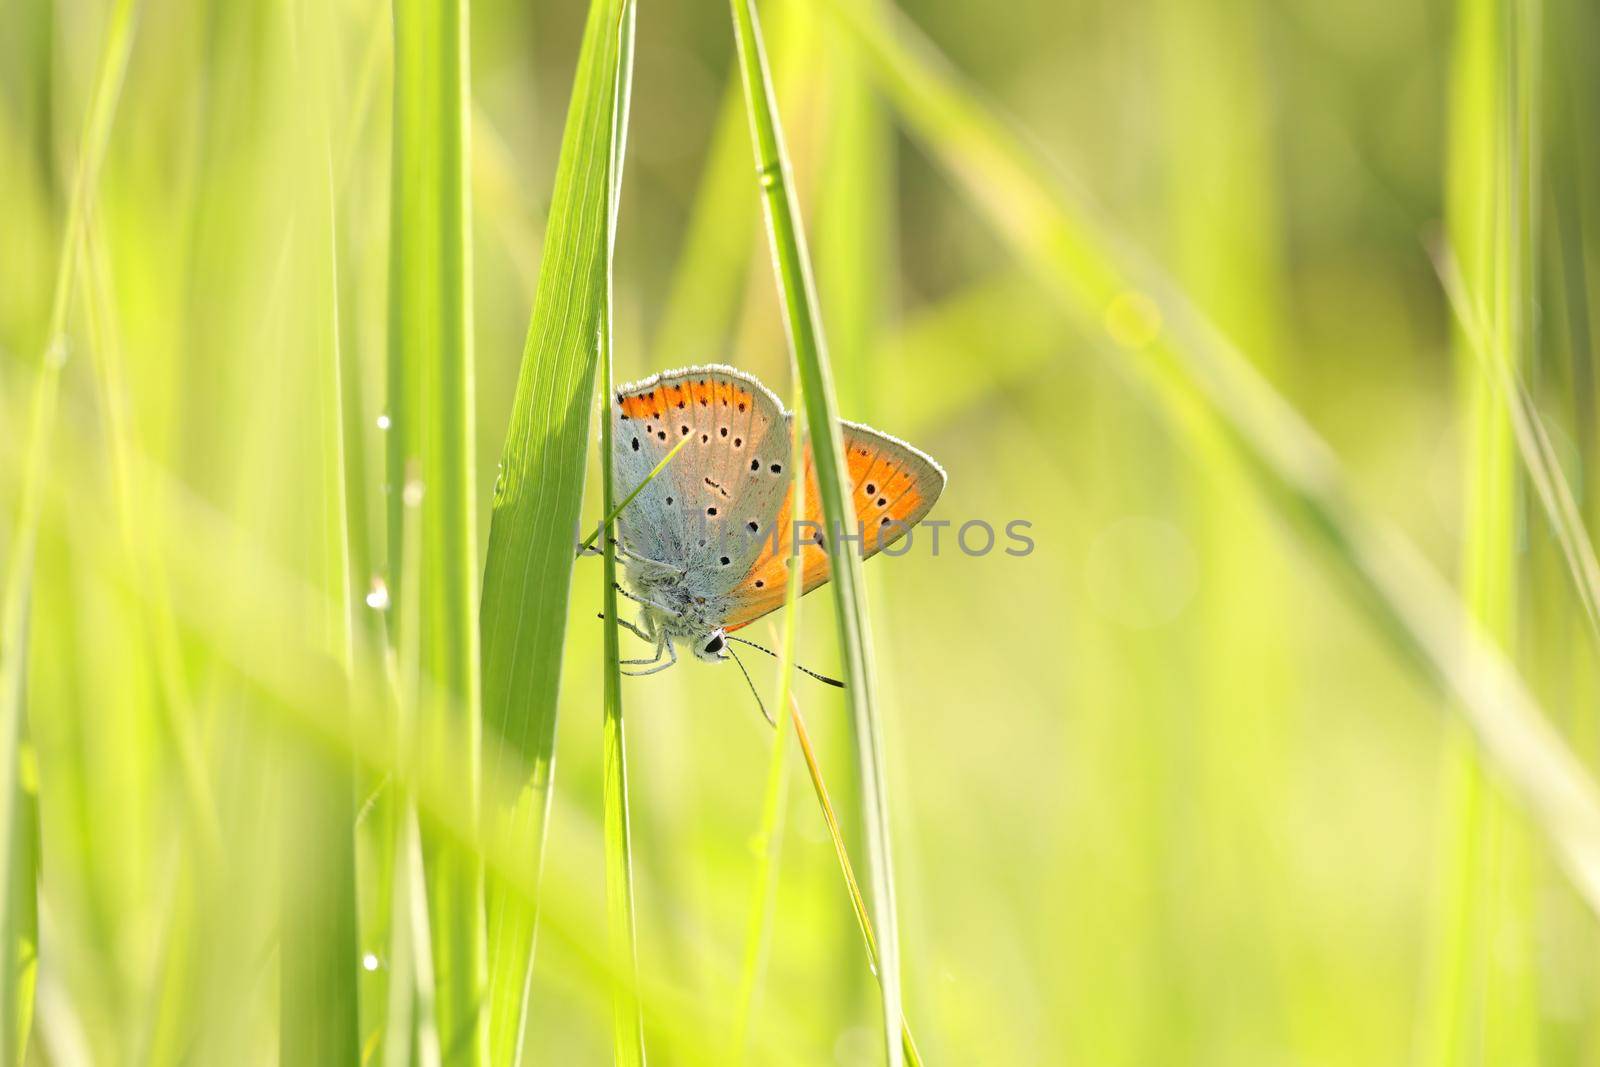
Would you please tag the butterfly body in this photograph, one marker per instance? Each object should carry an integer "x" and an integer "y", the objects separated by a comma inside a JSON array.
[
  {"x": 709, "y": 542},
  {"x": 675, "y": 605}
]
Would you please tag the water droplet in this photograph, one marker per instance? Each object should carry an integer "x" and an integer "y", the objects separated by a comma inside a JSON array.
[
  {"x": 383, "y": 422},
  {"x": 378, "y": 599},
  {"x": 768, "y": 179},
  {"x": 370, "y": 962},
  {"x": 412, "y": 495}
]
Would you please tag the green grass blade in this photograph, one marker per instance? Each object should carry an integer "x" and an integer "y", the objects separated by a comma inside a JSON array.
[
  {"x": 613, "y": 512},
  {"x": 532, "y": 534},
  {"x": 627, "y": 1021},
  {"x": 1484, "y": 901},
  {"x": 763, "y": 898},
  {"x": 18, "y": 818},
  {"x": 1534, "y": 446},
  {"x": 758, "y": 927},
  {"x": 430, "y": 411},
  {"x": 798, "y": 290},
  {"x": 1210, "y": 389},
  {"x": 318, "y": 1010},
  {"x": 831, "y": 819}
]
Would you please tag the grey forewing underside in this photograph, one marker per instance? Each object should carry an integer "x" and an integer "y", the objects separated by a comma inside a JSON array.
[{"x": 697, "y": 512}]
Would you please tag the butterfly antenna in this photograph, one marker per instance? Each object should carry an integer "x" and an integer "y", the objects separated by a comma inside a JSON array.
[
  {"x": 751, "y": 683},
  {"x": 762, "y": 648}
]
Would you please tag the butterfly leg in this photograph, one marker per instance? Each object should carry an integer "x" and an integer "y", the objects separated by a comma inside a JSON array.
[
  {"x": 634, "y": 630},
  {"x": 661, "y": 642},
  {"x": 630, "y": 627},
  {"x": 670, "y": 651},
  {"x": 647, "y": 603}
]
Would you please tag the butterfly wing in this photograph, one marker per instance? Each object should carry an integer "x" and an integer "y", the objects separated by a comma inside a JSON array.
[
  {"x": 691, "y": 515},
  {"x": 892, "y": 487}
]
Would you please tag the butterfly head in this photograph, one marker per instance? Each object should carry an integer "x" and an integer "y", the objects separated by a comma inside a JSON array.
[{"x": 710, "y": 647}]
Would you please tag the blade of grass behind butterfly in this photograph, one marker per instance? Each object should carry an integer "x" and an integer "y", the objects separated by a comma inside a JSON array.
[
  {"x": 537, "y": 501},
  {"x": 18, "y": 914},
  {"x": 763, "y": 900},
  {"x": 627, "y": 1034},
  {"x": 857, "y": 257},
  {"x": 431, "y": 431},
  {"x": 710, "y": 272},
  {"x": 318, "y": 1013},
  {"x": 1208, "y": 388},
  {"x": 793, "y": 274}
]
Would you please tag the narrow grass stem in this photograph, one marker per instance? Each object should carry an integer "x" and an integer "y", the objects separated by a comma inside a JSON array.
[
  {"x": 808, "y": 348},
  {"x": 831, "y": 818},
  {"x": 763, "y": 902},
  {"x": 627, "y": 1019},
  {"x": 612, "y": 513}
]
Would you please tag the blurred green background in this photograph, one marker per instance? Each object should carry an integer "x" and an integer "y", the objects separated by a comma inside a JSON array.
[{"x": 1161, "y": 793}]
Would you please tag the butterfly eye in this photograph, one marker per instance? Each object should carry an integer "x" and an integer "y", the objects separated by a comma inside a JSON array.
[{"x": 714, "y": 645}]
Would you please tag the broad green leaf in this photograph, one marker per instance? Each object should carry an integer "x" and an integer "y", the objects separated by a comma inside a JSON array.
[{"x": 537, "y": 498}]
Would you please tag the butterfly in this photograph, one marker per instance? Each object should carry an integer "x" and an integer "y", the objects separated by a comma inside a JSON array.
[{"x": 707, "y": 544}]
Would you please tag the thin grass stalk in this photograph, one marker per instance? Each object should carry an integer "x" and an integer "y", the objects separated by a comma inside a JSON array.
[
  {"x": 627, "y": 1032},
  {"x": 537, "y": 503},
  {"x": 18, "y": 881},
  {"x": 808, "y": 348},
  {"x": 763, "y": 898},
  {"x": 612, "y": 513},
  {"x": 846, "y": 868},
  {"x": 411, "y": 1034},
  {"x": 1534, "y": 446},
  {"x": 1478, "y": 992},
  {"x": 763, "y": 901},
  {"x": 1209, "y": 390}
]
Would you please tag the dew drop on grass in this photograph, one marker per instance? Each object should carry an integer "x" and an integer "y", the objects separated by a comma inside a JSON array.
[
  {"x": 412, "y": 494},
  {"x": 370, "y": 962},
  {"x": 383, "y": 422},
  {"x": 378, "y": 598}
]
